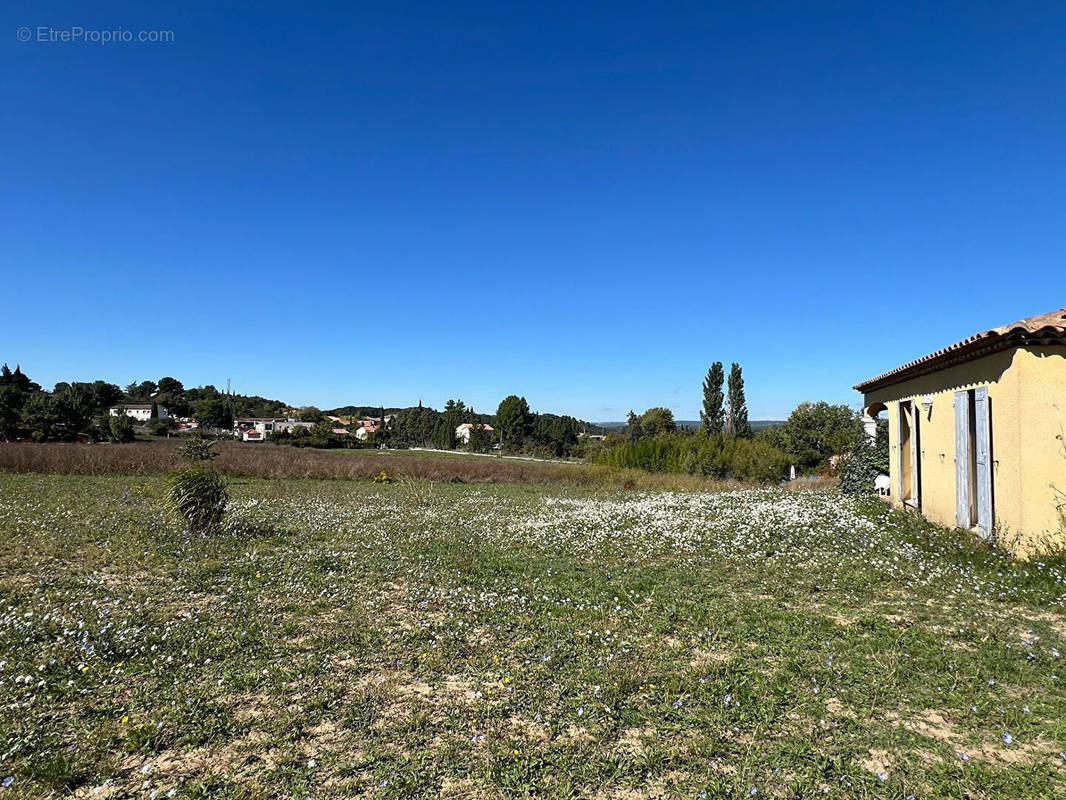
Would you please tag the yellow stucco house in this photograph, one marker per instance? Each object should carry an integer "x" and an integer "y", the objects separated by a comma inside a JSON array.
[{"x": 976, "y": 433}]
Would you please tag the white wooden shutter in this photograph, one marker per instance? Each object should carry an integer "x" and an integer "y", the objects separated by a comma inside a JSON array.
[
  {"x": 962, "y": 459},
  {"x": 983, "y": 418},
  {"x": 916, "y": 483}
]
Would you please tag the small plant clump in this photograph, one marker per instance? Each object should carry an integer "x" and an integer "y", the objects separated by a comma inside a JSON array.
[
  {"x": 198, "y": 494},
  {"x": 382, "y": 477},
  {"x": 198, "y": 449}
]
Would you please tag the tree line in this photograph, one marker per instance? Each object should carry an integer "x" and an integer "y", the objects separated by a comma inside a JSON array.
[
  {"x": 513, "y": 429},
  {"x": 723, "y": 446},
  {"x": 817, "y": 437},
  {"x": 73, "y": 410},
  {"x": 82, "y": 409}
]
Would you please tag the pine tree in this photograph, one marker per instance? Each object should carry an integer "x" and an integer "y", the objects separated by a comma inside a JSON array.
[
  {"x": 515, "y": 421},
  {"x": 737, "y": 418},
  {"x": 713, "y": 413}
]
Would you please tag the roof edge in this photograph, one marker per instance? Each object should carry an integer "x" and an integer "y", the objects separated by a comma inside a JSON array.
[{"x": 1019, "y": 334}]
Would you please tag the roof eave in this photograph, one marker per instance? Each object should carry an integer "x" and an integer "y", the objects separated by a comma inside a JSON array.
[{"x": 967, "y": 350}]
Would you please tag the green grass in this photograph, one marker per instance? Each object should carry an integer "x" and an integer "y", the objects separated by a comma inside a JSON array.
[{"x": 415, "y": 639}]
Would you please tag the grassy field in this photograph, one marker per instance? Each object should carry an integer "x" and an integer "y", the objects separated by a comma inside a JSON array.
[
  {"x": 270, "y": 461},
  {"x": 421, "y": 639}
]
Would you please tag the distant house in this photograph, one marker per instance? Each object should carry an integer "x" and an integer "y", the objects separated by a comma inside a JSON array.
[
  {"x": 367, "y": 427},
  {"x": 141, "y": 413},
  {"x": 339, "y": 431},
  {"x": 265, "y": 426},
  {"x": 976, "y": 433},
  {"x": 464, "y": 431}
]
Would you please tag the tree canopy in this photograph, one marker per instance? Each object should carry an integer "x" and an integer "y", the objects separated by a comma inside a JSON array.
[
  {"x": 514, "y": 421},
  {"x": 816, "y": 431},
  {"x": 737, "y": 423},
  {"x": 713, "y": 412}
]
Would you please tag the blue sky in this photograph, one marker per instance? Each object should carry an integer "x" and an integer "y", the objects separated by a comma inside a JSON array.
[{"x": 586, "y": 205}]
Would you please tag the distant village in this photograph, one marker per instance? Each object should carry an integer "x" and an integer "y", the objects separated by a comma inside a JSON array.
[{"x": 259, "y": 429}]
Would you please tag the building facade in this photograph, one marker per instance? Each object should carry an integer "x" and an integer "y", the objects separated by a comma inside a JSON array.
[
  {"x": 977, "y": 431},
  {"x": 141, "y": 413},
  {"x": 256, "y": 429},
  {"x": 466, "y": 430}
]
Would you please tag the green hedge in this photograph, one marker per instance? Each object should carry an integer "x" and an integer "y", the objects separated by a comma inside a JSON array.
[{"x": 714, "y": 456}]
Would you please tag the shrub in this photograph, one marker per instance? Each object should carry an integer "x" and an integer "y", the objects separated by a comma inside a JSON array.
[
  {"x": 198, "y": 449},
  {"x": 861, "y": 469},
  {"x": 815, "y": 432},
  {"x": 159, "y": 427},
  {"x": 198, "y": 494},
  {"x": 711, "y": 455},
  {"x": 121, "y": 428}
]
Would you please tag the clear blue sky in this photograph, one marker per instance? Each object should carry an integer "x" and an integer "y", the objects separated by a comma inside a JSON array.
[{"x": 381, "y": 202}]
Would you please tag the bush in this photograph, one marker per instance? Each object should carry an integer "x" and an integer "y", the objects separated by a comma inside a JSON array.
[
  {"x": 159, "y": 427},
  {"x": 716, "y": 456},
  {"x": 198, "y": 494},
  {"x": 815, "y": 432},
  {"x": 121, "y": 428},
  {"x": 862, "y": 468},
  {"x": 198, "y": 449}
]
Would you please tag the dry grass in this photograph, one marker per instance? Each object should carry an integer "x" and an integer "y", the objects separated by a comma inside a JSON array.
[{"x": 267, "y": 461}]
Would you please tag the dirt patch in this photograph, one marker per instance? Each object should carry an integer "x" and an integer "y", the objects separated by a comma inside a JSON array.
[
  {"x": 574, "y": 735},
  {"x": 878, "y": 762},
  {"x": 657, "y": 789},
  {"x": 632, "y": 740},
  {"x": 1056, "y": 621},
  {"x": 843, "y": 620},
  {"x": 835, "y": 706},
  {"x": 701, "y": 658},
  {"x": 325, "y": 736},
  {"x": 463, "y": 788},
  {"x": 940, "y": 726},
  {"x": 931, "y": 723},
  {"x": 529, "y": 729},
  {"x": 247, "y": 706}
]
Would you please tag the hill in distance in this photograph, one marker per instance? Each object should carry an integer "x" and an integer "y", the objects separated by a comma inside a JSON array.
[{"x": 756, "y": 424}]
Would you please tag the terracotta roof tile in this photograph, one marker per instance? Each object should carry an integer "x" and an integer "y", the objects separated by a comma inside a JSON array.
[{"x": 1043, "y": 329}]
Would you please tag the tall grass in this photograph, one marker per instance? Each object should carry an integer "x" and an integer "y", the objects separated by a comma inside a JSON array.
[{"x": 265, "y": 461}]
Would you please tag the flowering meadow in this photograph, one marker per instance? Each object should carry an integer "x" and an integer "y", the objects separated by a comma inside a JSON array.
[{"x": 414, "y": 639}]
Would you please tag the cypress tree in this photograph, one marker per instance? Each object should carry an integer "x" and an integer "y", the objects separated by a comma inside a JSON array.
[
  {"x": 633, "y": 427},
  {"x": 713, "y": 413},
  {"x": 737, "y": 419}
]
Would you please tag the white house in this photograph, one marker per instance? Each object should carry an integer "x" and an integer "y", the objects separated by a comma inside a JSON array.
[
  {"x": 264, "y": 427},
  {"x": 369, "y": 425},
  {"x": 141, "y": 413},
  {"x": 463, "y": 432}
]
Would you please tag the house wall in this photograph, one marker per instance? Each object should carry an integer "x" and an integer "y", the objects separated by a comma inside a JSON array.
[
  {"x": 1027, "y": 395},
  {"x": 139, "y": 414}
]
